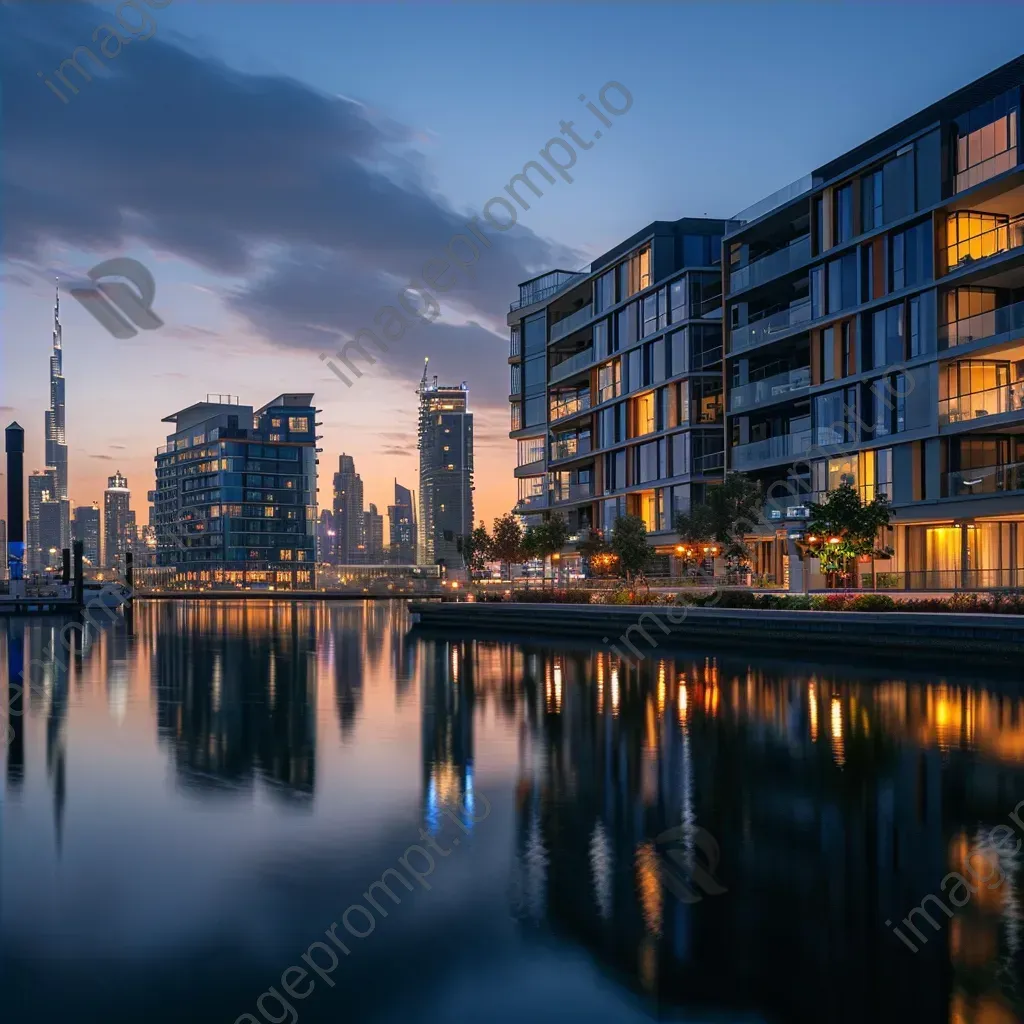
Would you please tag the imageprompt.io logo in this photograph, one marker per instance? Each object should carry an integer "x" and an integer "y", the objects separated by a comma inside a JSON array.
[
  {"x": 681, "y": 867},
  {"x": 118, "y": 307}
]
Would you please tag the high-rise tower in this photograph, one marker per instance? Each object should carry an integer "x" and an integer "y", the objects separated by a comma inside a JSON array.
[
  {"x": 56, "y": 439},
  {"x": 350, "y": 535},
  {"x": 446, "y": 470}
]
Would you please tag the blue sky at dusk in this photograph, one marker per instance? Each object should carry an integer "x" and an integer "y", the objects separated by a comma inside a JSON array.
[{"x": 283, "y": 168}]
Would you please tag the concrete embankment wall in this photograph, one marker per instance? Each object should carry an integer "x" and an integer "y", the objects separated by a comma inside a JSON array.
[{"x": 638, "y": 630}]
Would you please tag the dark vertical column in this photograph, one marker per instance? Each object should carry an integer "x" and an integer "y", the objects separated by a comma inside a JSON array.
[
  {"x": 78, "y": 577},
  {"x": 65, "y": 566},
  {"x": 129, "y": 571},
  {"x": 15, "y": 447}
]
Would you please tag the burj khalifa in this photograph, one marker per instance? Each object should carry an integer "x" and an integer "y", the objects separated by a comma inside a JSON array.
[{"x": 56, "y": 439}]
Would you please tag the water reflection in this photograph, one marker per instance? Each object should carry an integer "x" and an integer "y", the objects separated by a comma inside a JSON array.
[{"x": 297, "y": 747}]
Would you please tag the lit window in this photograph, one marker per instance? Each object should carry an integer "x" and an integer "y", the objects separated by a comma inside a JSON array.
[
  {"x": 299, "y": 423},
  {"x": 275, "y": 422},
  {"x": 269, "y": 510},
  {"x": 286, "y": 554}
]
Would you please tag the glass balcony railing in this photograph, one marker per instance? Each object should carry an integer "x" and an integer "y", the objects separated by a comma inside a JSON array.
[
  {"x": 985, "y": 480},
  {"x": 752, "y": 334},
  {"x": 573, "y": 492},
  {"x": 570, "y": 447},
  {"x": 780, "y": 385},
  {"x": 571, "y": 406},
  {"x": 572, "y": 322},
  {"x": 979, "y": 404},
  {"x": 747, "y": 456},
  {"x": 986, "y": 169},
  {"x": 982, "y": 325},
  {"x": 708, "y": 463},
  {"x": 794, "y": 255},
  {"x": 547, "y": 286},
  {"x": 572, "y": 365}
]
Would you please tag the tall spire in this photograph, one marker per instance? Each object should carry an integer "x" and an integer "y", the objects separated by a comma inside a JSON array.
[{"x": 56, "y": 438}]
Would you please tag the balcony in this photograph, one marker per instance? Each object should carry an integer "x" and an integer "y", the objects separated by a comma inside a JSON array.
[
  {"x": 709, "y": 463},
  {"x": 775, "y": 264},
  {"x": 547, "y": 286},
  {"x": 515, "y": 345},
  {"x": 570, "y": 448},
  {"x": 978, "y": 404},
  {"x": 771, "y": 449},
  {"x": 770, "y": 389},
  {"x": 572, "y": 322},
  {"x": 574, "y": 492},
  {"x": 572, "y": 365},
  {"x": 984, "y": 480},
  {"x": 982, "y": 325},
  {"x": 570, "y": 407},
  {"x": 965, "y": 248},
  {"x": 764, "y": 329}
]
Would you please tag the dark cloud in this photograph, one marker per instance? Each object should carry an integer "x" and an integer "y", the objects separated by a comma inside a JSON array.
[
  {"x": 394, "y": 450},
  {"x": 105, "y": 458},
  {"x": 320, "y": 207}
]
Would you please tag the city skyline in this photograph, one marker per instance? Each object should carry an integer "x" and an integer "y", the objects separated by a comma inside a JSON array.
[{"x": 267, "y": 333}]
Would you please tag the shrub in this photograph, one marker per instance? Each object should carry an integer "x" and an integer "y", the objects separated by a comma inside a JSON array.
[
  {"x": 887, "y": 580},
  {"x": 551, "y": 596},
  {"x": 829, "y": 602},
  {"x": 872, "y": 603}
]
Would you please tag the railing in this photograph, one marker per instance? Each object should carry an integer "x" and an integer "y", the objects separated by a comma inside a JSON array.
[
  {"x": 752, "y": 334},
  {"x": 574, "y": 492},
  {"x": 745, "y": 456},
  {"x": 978, "y": 404},
  {"x": 515, "y": 345},
  {"x": 571, "y": 365},
  {"x": 562, "y": 279},
  {"x": 569, "y": 448},
  {"x": 985, "y": 479},
  {"x": 945, "y": 579},
  {"x": 774, "y": 264},
  {"x": 572, "y": 322},
  {"x": 708, "y": 463},
  {"x": 784, "y": 195},
  {"x": 997, "y": 239},
  {"x": 569, "y": 408},
  {"x": 982, "y": 325},
  {"x": 758, "y": 391}
]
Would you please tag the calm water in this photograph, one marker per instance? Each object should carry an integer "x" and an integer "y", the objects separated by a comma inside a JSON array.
[{"x": 192, "y": 801}]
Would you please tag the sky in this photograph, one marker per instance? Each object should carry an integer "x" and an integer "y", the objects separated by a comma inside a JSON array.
[{"x": 284, "y": 169}]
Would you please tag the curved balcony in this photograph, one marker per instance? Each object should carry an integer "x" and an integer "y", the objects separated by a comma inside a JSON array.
[
  {"x": 1005, "y": 320},
  {"x": 771, "y": 449},
  {"x": 977, "y": 405},
  {"x": 985, "y": 480}
]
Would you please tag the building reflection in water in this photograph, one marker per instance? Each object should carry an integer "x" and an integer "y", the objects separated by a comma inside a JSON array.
[
  {"x": 837, "y": 804},
  {"x": 235, "y": 693},
  {"x": 839, "y": 800}
]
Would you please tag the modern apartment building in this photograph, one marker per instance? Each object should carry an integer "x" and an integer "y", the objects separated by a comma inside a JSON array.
[
  {"x": 235, "y": 498},
  {"x": 875, "y": 335},
  {"x": 446, "y": 471},
  {"x": 616, "y": 385}
]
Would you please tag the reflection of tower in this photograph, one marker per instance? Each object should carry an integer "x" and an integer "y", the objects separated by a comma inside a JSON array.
[
  {"x": 56, "y": 728},
  {"x": 448, "y": 699},
  {"x": 347, "y": 644},
  {"x": 17, "y": 704},
  {"x": 233, "y": 701}
]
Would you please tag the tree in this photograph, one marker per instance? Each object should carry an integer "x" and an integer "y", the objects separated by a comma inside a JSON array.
[
  {"x": 730, "y": 510},
  {"x": 476, "y": 549},
  {"x": 507, "y": 542},
  {"x": 629, "y": 542},
  {"x": 843, "y": 527},
  {"x": 597, "y": 553},
  {"x": 547, "y": 538}
]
